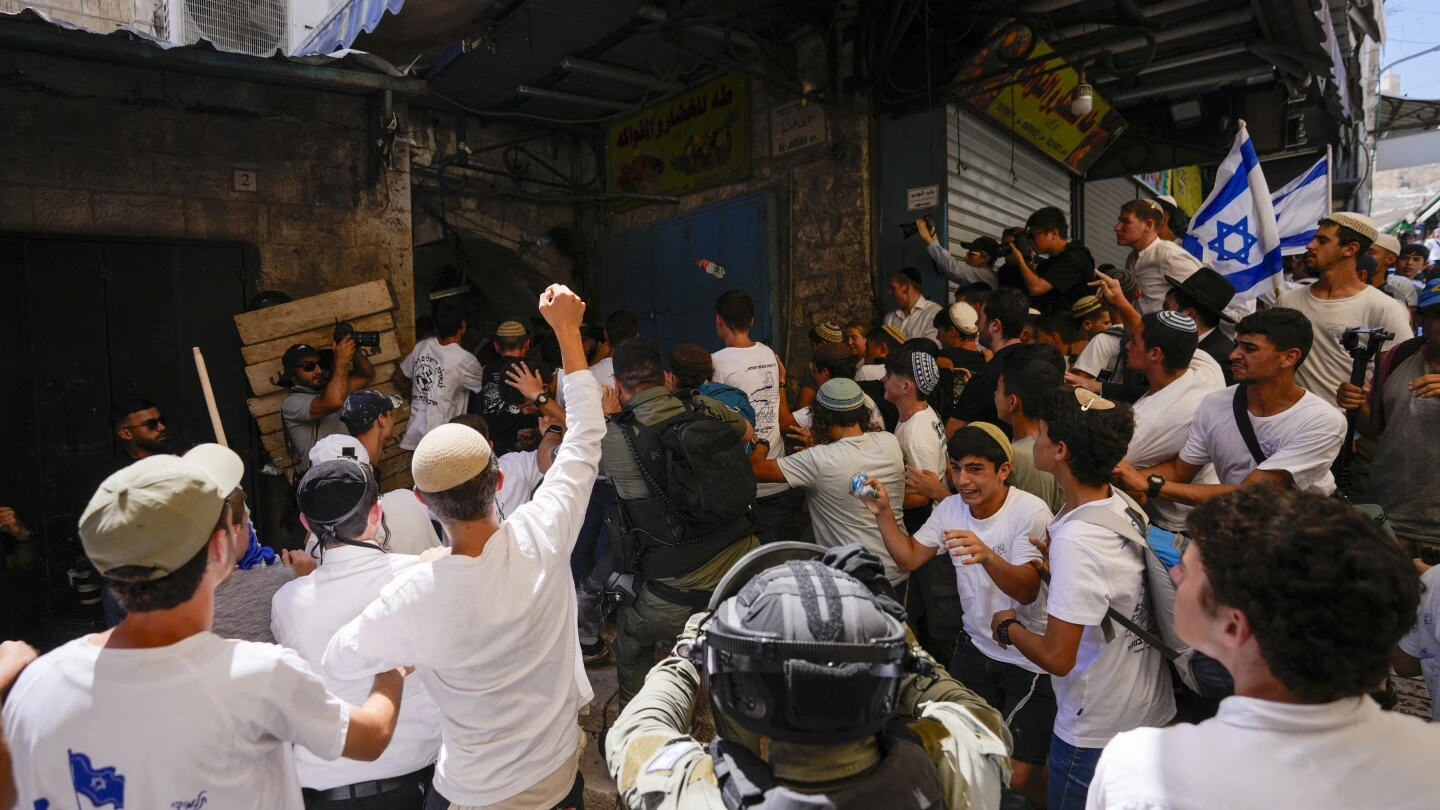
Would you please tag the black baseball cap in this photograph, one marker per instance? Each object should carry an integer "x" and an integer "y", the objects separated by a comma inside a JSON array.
[
  {"x": 983, "y": 244},
  {"x": 293, "y": 355},
  {"x": 363, "y": 407},
  {"x": 332, "y": 492}
]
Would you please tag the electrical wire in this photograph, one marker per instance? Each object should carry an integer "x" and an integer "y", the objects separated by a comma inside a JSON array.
[{"x": 545, "y": 119}]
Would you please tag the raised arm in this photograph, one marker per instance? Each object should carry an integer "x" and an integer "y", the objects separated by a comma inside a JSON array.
[{"x": 907, "y": 552}]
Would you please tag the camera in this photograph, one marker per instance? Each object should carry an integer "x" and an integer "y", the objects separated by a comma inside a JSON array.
[
  {"x": 909, "y": 229},
  {"x": 1375, "y": 338},
  {"x": 363, "y": 340},
  {"x": 1021, "y": 238}
]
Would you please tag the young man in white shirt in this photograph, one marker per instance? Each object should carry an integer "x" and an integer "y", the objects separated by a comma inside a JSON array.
[
  {"x": 1152, "y": 260},
  {"x": 437, "y": 374},
  {"x": 405, "y": 526},
  {"x": 910, "y": 377},
  {"x": 1339, "y": 300},
  {"x": 1161, "y": 351},
  {"x": 832, "y": 361},
  {"x": 843, "y": 444},
  {"x": 1028, "y": 373},
  {"x": 158, "y": 711},
  {"x": 985, "y": 531},
  {"x": 1298, "y": 435},
  {"x": 492, "y": 625},
  {"x": 755, "y": 369},
  {"x": 914, "y": 314},
  {"x": 339, "y": 503},
  {"x": 1104, "y": 683},
  {"x": 1301, "y": 598}
]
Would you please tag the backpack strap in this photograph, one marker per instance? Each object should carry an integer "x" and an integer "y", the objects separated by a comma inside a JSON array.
[
  {"x": 1242, "y": 422},
  {"x": 1132, "y": 527}
]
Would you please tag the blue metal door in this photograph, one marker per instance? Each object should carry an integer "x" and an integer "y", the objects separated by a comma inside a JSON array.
[{"x": 653, "y": 272}]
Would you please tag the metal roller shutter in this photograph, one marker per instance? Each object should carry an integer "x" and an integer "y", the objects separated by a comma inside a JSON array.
[
  {"x": 1103, "y": 199},
  {"x": 984, "y": 196}
]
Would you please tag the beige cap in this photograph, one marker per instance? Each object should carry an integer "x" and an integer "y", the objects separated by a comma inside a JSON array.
[
  {"x": 510, "y": 329},
  {"x": 160, "y": 511},
  {"x": 449, "y": 456},
  {"x": 1358, "y": 223},
  {"x": 1388, "y": 241},
  {"x": 965, "y": 318},
  {"x": 994, "y": 432}
]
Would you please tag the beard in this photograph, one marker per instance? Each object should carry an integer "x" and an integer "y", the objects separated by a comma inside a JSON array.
[{"x": 157, "y": 445}]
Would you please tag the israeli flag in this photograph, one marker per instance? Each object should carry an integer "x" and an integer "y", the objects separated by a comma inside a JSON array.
[
  {"x": 1234, "y": 231},
  {"x": 1300, "y": 205}
]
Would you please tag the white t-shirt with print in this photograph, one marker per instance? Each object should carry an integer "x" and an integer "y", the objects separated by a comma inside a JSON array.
[
  {"x": 1302, "y": 440},
  {"x": 1328, "y": 364},
  {"x": 922, "y": 441},
  {"x": 1007, "y": 533},
  {"x": 439, "y": 377},
  {"x": 1256, "y": 753},
  {"x": 1162, "y": 423},
  {"x": 1423, "y": 641},
  {"x": 756, "y": 371},
  {"x": 202, "y": 722},
  {"x": 1117, "y": 685},
  {"x": 839, "y": 518},
  {"x": 1100, "y": 354}
]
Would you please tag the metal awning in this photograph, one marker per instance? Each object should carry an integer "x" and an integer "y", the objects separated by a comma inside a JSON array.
[
  {"x": 1406, "y": 116},
  {"x": 345, "y": 22}
]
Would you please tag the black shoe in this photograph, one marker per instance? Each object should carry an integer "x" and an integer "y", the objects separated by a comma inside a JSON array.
[{"x": 594, "y": 652}]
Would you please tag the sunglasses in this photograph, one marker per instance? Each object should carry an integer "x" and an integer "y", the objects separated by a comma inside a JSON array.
[
  {"x": 149, "y": 424},
  {"x": 311, "y": 365}
]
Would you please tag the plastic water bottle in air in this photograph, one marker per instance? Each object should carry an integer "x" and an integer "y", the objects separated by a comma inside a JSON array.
[{"x": 710, "y": 267}]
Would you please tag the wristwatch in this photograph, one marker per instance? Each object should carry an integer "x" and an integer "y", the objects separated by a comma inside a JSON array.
[
  {"x": 542, "y": 400},
  {"x": 1156, "y": 482},
  {"x": 1002, "y": 633},
  {"x": 555, "y": 429}
]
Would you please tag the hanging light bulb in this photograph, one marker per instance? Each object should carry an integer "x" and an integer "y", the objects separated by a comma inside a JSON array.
[{"x": 1082, "y": 98}]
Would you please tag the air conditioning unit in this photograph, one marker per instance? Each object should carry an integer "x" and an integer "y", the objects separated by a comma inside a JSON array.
[{"x": 255, "y": 27}]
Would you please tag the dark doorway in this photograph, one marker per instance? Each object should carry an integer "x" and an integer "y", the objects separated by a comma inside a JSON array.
[{"x": 91, "y": 322}]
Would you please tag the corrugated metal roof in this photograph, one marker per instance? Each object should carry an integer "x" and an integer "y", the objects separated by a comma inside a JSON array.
[
  {"x": 34, "y": 30},
  {"x": 344, "y": 23}
]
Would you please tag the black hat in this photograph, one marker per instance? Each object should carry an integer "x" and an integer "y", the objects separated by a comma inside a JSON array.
[
  {"x": 983, "y": 244},
  {"x": 1209, "y": 290},
  {"x": 293, "y": 355},
  {"x": 332, "y": 492}
]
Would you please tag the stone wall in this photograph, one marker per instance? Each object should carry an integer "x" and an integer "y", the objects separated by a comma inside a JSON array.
[
  {"x": 107, "y": 150},
  {"x": 824, "y": 200},
  {"x": 98, "y": 15}
]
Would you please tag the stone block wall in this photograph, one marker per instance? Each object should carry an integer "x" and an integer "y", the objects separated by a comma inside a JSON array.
[
  {"x": 108, "y": 150},
  {"x": 98, "y": 15},
  {"x": 824, "y": 201}
]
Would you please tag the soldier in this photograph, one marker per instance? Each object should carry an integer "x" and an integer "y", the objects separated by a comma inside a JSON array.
[{"x": 808, "y": 656}]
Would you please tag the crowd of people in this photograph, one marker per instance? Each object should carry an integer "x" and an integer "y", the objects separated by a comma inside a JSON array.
[{"x": 1084, "y": 536}]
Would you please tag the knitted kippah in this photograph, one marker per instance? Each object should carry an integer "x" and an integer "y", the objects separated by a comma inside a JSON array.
[
  {"x": 1358, "y": 223},
  {"x": 841, "y": 394},
  {"x": 1084, "y": 305},
  {"x": 925, "y": 373},
  {"x": 1089, "y": 400},
  {"x": 995, "y": 433},
  {"x": 449, "y": 456},
  {"x": 894, "y": 332},
  {"x": 965, "y": 318},
  {"x": 510, "y": 329},
  {"x": 1177, "y": 321},
  {"x": 690, "y": 360},
  {"x": 829, "y": 331}
]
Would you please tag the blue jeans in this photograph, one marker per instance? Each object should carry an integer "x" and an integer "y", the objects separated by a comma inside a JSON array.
[{"x": 1071, "y": 770}]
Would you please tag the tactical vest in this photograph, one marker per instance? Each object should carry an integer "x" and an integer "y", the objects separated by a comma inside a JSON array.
[
  {"x": 905, "y": 779},
  {"x": 653, "y": 537}
]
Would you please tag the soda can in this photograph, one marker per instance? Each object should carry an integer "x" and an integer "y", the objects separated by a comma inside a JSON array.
[{"x": 860, "y": 489}]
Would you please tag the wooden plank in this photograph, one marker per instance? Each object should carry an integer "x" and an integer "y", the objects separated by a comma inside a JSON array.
[
  {"x": 270, "y": 423},
  {"x": 263, "y": 406},
  {"x": 322, "y": 337},
  {"x": 395, "y": 466},
  {"x": 349, "y": 304},
  {"x": 393, "y": 448},
  {"x": 262, "y": 375},
  {"x": 401, "y": 480}
]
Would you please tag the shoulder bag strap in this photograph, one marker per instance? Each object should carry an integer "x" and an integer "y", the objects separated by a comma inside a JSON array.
[{"x": 1242, "y": 422}]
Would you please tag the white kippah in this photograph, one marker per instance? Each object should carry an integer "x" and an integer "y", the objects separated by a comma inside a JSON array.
[
  {"x": 449, "y": 456},
  {"x": 1178, "y": 322}
]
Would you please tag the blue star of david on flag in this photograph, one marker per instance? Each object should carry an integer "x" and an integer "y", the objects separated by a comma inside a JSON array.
[
  {"x": 1235, "y": 231},
  {"x": 101, "y": 786},
  {"x": 1225, "y": 230}
]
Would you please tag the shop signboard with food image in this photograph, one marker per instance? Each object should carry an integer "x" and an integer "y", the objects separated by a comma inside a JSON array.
[{"x": 696, "y": 140}]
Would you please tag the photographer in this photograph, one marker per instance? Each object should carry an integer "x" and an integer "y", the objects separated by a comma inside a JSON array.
[
  {"x": 1053, "y": 283},
  {"x": 312, "y": 411},
  {"x": 978, "y": 267}
]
